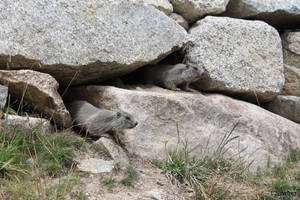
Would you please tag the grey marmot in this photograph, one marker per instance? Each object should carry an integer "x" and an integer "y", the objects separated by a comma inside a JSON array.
[
  {"x": 98, "y": 121},
  {"x": 172, "y": 76}
]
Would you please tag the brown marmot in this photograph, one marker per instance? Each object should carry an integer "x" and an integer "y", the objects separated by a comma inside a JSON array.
[{"x": 98, "y": 121}]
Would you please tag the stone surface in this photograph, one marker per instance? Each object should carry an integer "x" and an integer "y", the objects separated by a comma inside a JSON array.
[
  {"x": 292, "y": 81},
  {"x": 200, "y": 119},
  {"x": 291, "y": 59},
  {"x": 286, "y": 106},
  {"x": 94, "y": 165},
  {"x": 193, "y": 10},
  {"x": 80, "y": 41},
  {"x": 276, "y": 12},
  {"x": 3, "y": 96},
  {"x": 15, "y": 122},
  {"x": 180, "y": 20},
  {"x": 239, "y": 57},
  {"x": 162, "y": 5},
  {"x": 153, "y": 195},
  {"x": 115, "y": 151},
  {"x": 38, "y": 89},
  {"x": 291, "y": 48}
]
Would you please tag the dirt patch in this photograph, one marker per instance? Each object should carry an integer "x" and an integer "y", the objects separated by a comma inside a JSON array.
[{"x": 151, "y": 184}]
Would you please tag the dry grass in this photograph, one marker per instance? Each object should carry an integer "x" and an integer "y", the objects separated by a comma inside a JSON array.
[{"x": 218, "y": 177}]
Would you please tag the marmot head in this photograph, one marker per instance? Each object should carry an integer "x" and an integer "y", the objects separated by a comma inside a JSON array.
[
  {"x": 124, "y": 120},
  {"x": 191, "y": 72}
]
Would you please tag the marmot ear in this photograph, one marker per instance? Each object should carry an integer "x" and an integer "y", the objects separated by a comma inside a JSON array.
[{"x": 118, "y": 114}]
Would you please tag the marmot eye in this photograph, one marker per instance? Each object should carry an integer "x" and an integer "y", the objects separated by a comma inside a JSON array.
[
  {"x": 128, "y": 118},
  {"x": 118, "y": 114},
  {"x": 195, "y": 68}
]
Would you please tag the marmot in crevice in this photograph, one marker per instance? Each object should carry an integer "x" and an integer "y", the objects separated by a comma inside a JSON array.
[
  {"x": 98, "y": 121},
  {"x": 171, "y": 76}
]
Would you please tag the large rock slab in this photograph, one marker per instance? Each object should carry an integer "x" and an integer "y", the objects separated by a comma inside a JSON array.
[
  {"x": 281, "y": 13},
  {"x": 3, "y": 96},
  {"x": 38, "y": 89},
  {"x": 13, "y": 123},
  {"x": 79, "y": 41},
  {"x": 239, "y": 57},
  {"x": 193, "y": 10},
  {"x": 162, "y": 5},
  {"x": 291, "y": 59},
  {"x": 286, "y": 106},
  {"x": 200, "y": 118}
]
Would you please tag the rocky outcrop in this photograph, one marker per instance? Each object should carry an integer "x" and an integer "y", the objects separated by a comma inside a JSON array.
[
  {"x": 79, "y": 41},
  {"x": 13, "y": 123},
  {"x": 291, "y": 48},
  {"x": 193, "y": 10},
  {"x": 3, "y": 96},
  {"x": 239, "y": 57},
  {"x": 286, "y": 106},
  {"x": 180, "y": 20},
  {"x": 291, "y": 58},
  {"x": 202, "y": 120},
  {"x": 38, "y": 89},
  {"x": 162, "y": 5},
  {"x": 279, "y": 13},
  {"x": 292, "y": 81},
  {"x": 113, "y": 150}
]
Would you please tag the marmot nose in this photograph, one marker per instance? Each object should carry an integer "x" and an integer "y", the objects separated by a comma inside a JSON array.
[{"x": 135, "y": 124}]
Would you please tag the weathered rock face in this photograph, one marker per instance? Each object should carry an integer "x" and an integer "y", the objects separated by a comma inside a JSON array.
[
  {"x": 292, "y": 80},
  {"x": 40, "y": 90},
  {"x": 162, "y": 5},
  {"x": 13, "y": 123},
  {"x": 291, "y": 48},
  {"x": 286, "y": 106},
  {"x": 238, "y": 56},
  {"x": 193, "y": 10},
  {"x": 111, "y": 148},
  {"x": 180, "y": 20},
  {"x": 3, "y": 96},
  {"x": 80, "y": 41},
  {"x": 275, "y": 12},
  {"x": 291, "y": 59},
  {"x": 95, "y": 166},
  {"x": 199, "y": 118}
]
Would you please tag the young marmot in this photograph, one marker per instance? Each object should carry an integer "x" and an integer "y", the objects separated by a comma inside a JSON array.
[
  {"x": 98, "y": 121},
  {"x": 172, "y": 76}
]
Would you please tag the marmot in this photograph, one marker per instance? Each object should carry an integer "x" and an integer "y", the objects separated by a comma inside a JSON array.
[
  {"x": 98, "y": 121},
  {"x": 172, "y": 76}
]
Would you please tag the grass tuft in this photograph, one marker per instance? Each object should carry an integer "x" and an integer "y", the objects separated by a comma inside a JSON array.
[
  {"x": 211, "y": 176},
  {"x": 110, "y": 182},
  {"x": 131, "y": 176},
  {"x": 28, "y": 158},
  {"x": 53, "y": 153}
]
